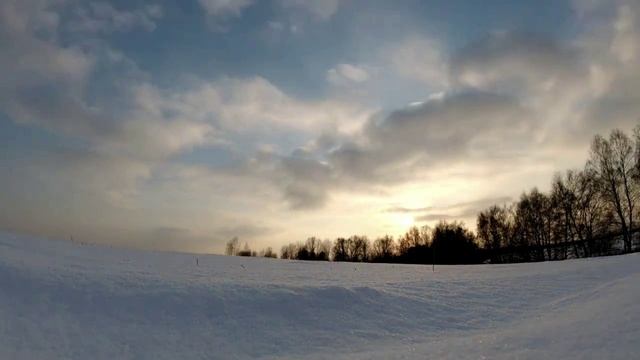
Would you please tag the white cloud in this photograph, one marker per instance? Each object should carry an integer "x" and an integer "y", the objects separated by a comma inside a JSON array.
[
  {"x": 320, "y": 9},
  {"x": 625, "y": 41},
  {"x": 49, "y": 79},
  {"x": 256, "y": 105},
  {"x": 346, "y": 74},
  {"x": 613, "y": 52},
  {"x": 420, "y": 58},
  {"x": 224, "y": 7},
  {"x": 99, "y": 17},
  {"x": 276, "y": 26}
]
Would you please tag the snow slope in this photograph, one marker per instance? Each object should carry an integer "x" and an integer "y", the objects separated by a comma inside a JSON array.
[{"x": 60, "y": 300}]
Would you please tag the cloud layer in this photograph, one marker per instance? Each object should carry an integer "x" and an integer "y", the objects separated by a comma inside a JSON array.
[{"x": 412, "y": 123}]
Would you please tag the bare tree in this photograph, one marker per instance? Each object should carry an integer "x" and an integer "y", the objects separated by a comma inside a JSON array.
[
  {"x": 246, "y": 251},
  {"x": 613, "y": 163},
  {"x": 565, "y": 202},
  {"x": 268, "y": 253},
  {"x": 340, "y": 250},
  {"x": 312, "y": 246},
  {"x": 453, "y": 243},
  {"x": 324, "y": 250},
  {"x": 289, "y": 252},
  {"x": 414, "y": 238},
  {"x": 584, "y": 209},
  {"x": 534, "y": 223},
  {"x": 383, "y": 249},
  {"x": 404, "y": 244},
  {"x": 493, "y": 230},
  {"x": 232, "y": 247},
  {"x": 358, "y": 248}
]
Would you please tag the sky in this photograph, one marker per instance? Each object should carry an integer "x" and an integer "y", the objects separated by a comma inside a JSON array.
[{"x": 178, "y": 125}]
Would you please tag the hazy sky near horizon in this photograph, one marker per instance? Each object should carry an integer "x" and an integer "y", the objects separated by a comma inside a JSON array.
[{"x": 176, "y": 125}]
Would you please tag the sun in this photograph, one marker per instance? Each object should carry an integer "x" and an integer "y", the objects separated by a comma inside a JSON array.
[{"x": 405, "y": 221}]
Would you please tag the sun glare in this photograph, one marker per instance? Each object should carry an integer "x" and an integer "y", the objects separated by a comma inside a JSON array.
[{"x": 405, "y": 221}]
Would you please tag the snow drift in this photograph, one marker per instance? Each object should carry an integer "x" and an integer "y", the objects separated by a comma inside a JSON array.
[{"x": 60, "y": 300}]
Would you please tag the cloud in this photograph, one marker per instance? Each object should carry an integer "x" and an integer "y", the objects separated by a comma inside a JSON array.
[
  {"x": 614, "y": 52},
  {"x": 422, "y": 59},
  {"x": 579, "y": 88},
  {"x": 123, "y": 139},
  {"x": 49, "y": 79},
  {"x": 625, "y": 42},
  {"x": 165, "y": 238},
  {"x": 517, "y": 106},
  {"x": 408, "y": 143},
  {"x": 516, "y": 62},
  {"x": 148, "y": 125},
  {"x": 275, "y": 26},
  {"x": 243, "y": 232},
  {"x": 319, "y": 9},
  {"x": 507, "y": 93},
  {"x": 102, "y": 17},
  {"x": 48, "y": 88},
  {"x": 170, "y": 238},
  {"x": 305, "y": 182},
  {"x": 462, "y": 210},
  {"x": 347, "y": 74},
  {"x": 404, "y": 210},
  {"x": 74, "y": 181},
  {"x": 509, "y": 96},
  {"x": 256, "y": 105},
  {"x": 151, "y": 139},
  {"x": 459, "y": 126},
  {"x": 222, "y": 8}
]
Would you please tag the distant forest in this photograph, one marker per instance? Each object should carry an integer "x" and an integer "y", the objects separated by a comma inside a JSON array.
[{"x": 588, "y": 212}]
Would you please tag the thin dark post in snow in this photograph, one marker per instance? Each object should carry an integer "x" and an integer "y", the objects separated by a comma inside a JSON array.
[{"x": 433, "y": 258}]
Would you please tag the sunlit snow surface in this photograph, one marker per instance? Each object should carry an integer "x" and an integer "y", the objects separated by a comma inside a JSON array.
[{"x": 60, "y": 300}]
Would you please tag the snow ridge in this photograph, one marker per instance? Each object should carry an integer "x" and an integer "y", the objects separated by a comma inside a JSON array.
[{"x": 60, "y": 300}]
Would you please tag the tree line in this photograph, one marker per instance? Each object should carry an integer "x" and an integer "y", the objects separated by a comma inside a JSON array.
[{"x": 587, "y": 212}]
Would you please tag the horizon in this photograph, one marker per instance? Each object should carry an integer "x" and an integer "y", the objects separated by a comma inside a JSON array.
[{"x": 177, "y": 126}]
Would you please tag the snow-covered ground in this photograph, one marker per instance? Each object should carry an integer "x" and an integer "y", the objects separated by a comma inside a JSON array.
[{"x": 60, "y": 300}]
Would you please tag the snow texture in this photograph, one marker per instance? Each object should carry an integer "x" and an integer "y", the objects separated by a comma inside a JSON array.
[{"x": 63, "y": 300}]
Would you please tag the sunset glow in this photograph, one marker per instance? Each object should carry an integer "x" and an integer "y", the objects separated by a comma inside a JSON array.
[{"x": 178, "y": 125}]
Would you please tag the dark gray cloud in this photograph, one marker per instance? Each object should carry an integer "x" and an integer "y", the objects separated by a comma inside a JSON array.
[
  {"x": 578, "y": 88},
  {"x": 440, "y": 217},
  {"x": 516, "y": 62},
  {"x": 165, "y": 238},
  {"x": 404, "y": 210},
  {"x": 456, "y": 211},
  {"x": 475, "y": 204},
  {"x": 305, "y": 181},
  {"x": 438, "y": 131},
  {"x": 463, "y": 210},
  {"x": 616, "y": 110},
  {"x": 470, "y": 126},
  {"x": 242, "y": 231}
]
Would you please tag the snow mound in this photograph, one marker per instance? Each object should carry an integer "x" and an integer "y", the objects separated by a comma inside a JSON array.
[{"x": 60, "y": 300}]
